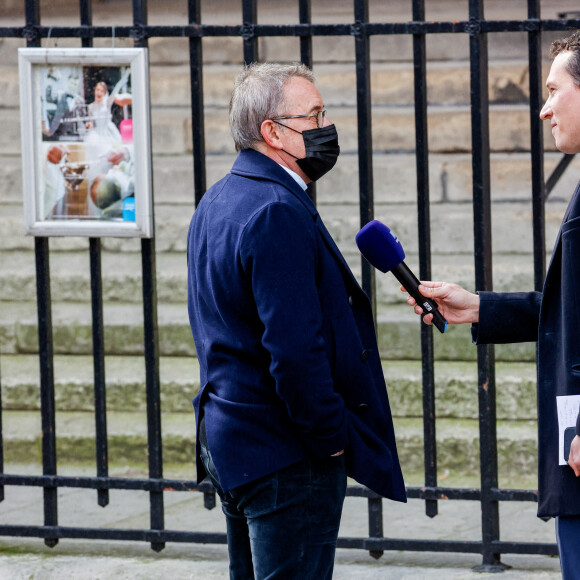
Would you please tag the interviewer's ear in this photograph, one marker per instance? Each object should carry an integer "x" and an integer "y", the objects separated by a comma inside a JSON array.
[{"x": 271, "y": 133}]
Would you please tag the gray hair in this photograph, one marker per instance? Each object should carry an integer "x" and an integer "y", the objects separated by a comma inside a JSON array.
[{"x": 258, "y": 95}]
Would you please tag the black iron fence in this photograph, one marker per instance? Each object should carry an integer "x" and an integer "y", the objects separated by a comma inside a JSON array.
[{"x": 489, "y": 495}]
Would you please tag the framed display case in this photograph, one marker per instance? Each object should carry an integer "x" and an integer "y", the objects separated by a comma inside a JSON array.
[{"x": 86, "y": 145}]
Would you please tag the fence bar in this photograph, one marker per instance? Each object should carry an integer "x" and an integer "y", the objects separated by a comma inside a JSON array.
[
  {"x": 46, "y": 360},
  {"x": 305, "y": 17},
  {"x": 180, "y": 485},
  {"x": 154, "y": 441},
  {"x": 198, "y": 134},
  {"x": 483, "y": 281},
  {"x": 537, "y": 147},
  {"x": 365, "y": 142},
  {"x": 257, "y": 30},
  {"x": 366, "y": 191},
  {"x": 371, "y": 544},
  {"x": 86, "y": 9},
  {"x": 424, "y": 232},
  {"x": 100, "y": 397},
  {"x": 151, "y": 342},
  {"x": 32, "y": 17},
  {"x": 45, "y": 342},
  {"x": 100, "y": 394},
  {"x": 249, "y": 22},
  {"x": 197, "y": 102}
]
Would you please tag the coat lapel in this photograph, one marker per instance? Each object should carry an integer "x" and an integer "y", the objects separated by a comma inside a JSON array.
[
  {"x": 571, "y": 211},
  {"x": 255, "y": 165}
]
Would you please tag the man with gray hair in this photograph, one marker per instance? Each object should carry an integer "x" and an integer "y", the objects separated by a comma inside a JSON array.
[{"x": 292, "y": 397}]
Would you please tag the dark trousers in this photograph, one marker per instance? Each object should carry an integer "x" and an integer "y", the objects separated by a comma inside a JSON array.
[
  {"x": 284, "y": 525},
  {"x": 568, "y": 536}
]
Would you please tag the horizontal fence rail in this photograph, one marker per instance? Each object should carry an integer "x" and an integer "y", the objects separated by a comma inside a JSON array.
[{"x": 489, "y": 495}]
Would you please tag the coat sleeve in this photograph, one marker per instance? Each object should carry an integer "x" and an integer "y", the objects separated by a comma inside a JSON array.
[
  {"x": 507, "y": 317},
  {"x": 279, "y": 255}
]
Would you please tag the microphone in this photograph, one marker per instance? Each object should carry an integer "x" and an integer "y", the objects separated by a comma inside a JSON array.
[{"x": 383, "y": 250}]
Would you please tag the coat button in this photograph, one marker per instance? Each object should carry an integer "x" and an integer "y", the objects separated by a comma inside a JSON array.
[
  {"x": 362, "y": 407},
  {"x": 350, "y": 300},
  {"x": 364, "y": 355}
]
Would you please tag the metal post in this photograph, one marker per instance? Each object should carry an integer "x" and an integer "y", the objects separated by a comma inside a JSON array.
[
  {"x": 366, "y": 191},
  {"x": 151, "y": 341},
  {"x": 46, "y": 359},
  {"x": 365, "y": 141},
  {"x": 305, "y": 17},
  {"x": 483, "y": 281},
  {"x": 45, "y": 342},
  {"x": 424, "y": 227},
  {"x": 101, "y": 445},
  {"x": 100, "y": 394},
  {"x": 249, "y": 20},
  {"x": 537, "y": 146},
  {"x": 197, "y": 103}
]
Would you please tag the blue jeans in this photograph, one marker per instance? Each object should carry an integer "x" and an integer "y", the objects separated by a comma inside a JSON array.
[
  {"x": 284, "y": 525},
  {"x": 568, "y": 536}
]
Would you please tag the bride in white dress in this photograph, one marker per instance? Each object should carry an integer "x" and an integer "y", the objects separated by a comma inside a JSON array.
[{"x": 101, "y": 127}]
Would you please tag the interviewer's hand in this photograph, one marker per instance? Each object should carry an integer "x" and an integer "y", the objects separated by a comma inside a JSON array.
[
  {"x": 574, "y": 458},
  {"x": 456, "y": 304}
]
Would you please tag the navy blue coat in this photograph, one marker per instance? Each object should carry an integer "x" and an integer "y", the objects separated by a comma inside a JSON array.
[
  {"x": 551, "y": 317},
  {"x": 284, "y": 335}
]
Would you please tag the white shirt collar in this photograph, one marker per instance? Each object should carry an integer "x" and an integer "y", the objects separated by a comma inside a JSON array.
[{"x": 295, "y": 176}]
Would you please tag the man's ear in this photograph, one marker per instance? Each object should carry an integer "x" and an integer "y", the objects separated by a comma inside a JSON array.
[{"x": 271, "y": 133}]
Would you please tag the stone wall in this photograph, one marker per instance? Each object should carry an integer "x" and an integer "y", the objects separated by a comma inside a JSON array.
[{"x": 395, "y": 197}]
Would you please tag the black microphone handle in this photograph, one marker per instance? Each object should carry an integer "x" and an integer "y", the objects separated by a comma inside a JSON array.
[{"x": 411, "y": 284}]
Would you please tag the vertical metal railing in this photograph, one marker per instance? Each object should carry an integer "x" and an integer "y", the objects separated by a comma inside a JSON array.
[
  {"x": 100, "y": 393},
  {"x": 424, "y": 233},
  {"x": 483, "y": 281},
  {"x": 537, "y": 145},
  {"x": 151, "y": 338},
  {"x": 45, "y": 339},
  {"x": 366, "y": 193},
  {"x": 364, "y": 128},
  {"x": 197, "y": 102},
  {"x": 46, "y": 359},
  {"x": 306, "y": 57},
  {"x": 198, "y": 136},
  {"x": 249, "y": 21},
  {"x": 98, "y": 327}
]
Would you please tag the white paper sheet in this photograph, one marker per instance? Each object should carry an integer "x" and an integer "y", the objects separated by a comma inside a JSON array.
[{"x": 568, "y": 406}]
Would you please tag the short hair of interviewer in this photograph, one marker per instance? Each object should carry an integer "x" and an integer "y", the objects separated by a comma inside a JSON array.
[{"x": 572, "y": 44}]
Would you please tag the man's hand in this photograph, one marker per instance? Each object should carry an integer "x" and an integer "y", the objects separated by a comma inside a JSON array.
[
  {"x": 455, "y": 303},
  {"x": 574, "y": 458}
]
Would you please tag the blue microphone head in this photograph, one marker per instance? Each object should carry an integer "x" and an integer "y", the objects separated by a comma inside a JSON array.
[{"x": 380, "y": 246}]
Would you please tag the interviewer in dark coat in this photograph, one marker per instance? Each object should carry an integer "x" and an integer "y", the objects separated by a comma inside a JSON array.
[
  {"x": 551, "y": 317},
  {"x": 293, "y": 397}
]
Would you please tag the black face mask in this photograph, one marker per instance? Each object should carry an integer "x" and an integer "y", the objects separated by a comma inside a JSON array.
[{"x": 322, "y": 149}]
